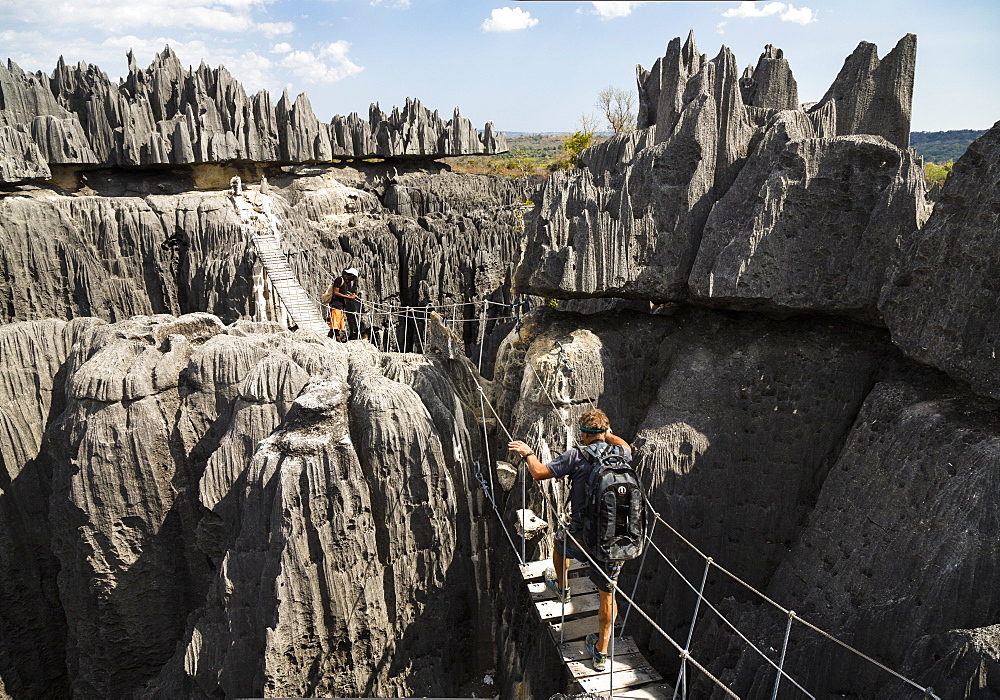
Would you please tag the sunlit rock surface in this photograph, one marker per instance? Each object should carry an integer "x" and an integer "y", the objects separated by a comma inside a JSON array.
[
  {"x": 239, "y": 510},
  {"x": 169, "y": 115},
  {"x": 733, "y": 195}
]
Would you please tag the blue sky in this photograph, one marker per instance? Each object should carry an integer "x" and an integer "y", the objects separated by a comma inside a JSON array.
[{"x": 528, "y": 66}]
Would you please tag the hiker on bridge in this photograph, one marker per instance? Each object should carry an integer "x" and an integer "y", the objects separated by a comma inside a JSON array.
[
  {"x": 341, "y": 292},
  {"x": 580, "y": 464}
]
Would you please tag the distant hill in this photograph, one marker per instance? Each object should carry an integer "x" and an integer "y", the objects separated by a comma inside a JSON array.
[
  {"x": 933, "y": 146},
  {"x": 942, "y": 146},
  {"x": 537, "y": 145}
]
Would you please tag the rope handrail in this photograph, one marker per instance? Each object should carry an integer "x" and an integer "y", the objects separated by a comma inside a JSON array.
[
  {"x": 725, "y": 620},
  {"x": 927, "y": 690}
]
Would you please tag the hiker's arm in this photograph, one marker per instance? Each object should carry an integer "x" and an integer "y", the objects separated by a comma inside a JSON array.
[
  {"x": 536, "y": 467},
  {"x": 613, "y": 439},
  {"x": 338, "y": 293}
]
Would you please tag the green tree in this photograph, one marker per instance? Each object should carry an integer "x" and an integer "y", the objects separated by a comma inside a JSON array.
[
  {"x": 935, "y": 175},
  {"x": 574, "y": 144}
]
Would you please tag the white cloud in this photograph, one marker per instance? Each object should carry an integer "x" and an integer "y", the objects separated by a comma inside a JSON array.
[
  {"x": 799, "y": 15},
  {"x": 506, "y": 19},
  {"x": 614, "y": 8},
  {"x": 399, "y": 4},
  {"x": 283, "y": 47},
  {"x": 328, "y": 64},
  {"x": 720, "y": 28},
  {"x": 272, "y": 29},
  {"x": 787, "y": 12},
  {"x": 115, "y": 16}
]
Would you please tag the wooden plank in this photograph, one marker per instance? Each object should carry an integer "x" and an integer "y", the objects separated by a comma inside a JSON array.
[
  {"x": 534, "y": 569},
  {"x": 576, "y": 651},
  {"x": 548, "y": 609},
  {"x": 580, "y": 585},
  {"x": 575, "y": 629},
  {"x": 602, "y": 683},
  {"x": 650, "y": 691},
  {"x": 623, "y": 662}
]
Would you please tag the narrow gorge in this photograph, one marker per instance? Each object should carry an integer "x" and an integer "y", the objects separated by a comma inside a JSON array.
[{"x": 198, "y": 501}]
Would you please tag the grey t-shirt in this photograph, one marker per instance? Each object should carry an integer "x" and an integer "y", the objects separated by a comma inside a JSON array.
[{"x": 573, "y": 464}]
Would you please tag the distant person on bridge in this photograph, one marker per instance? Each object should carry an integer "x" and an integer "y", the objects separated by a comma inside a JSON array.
[
  {"x": 595, "y": 434},
  {"x": 338, "y": 295}
]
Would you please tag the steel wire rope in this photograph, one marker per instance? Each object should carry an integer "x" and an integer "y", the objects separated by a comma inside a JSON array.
[
  {"x": 737, "y": 579},
  {"x": 642, "y": 562},
  {"x": 725, "y": 620},
  {"x": 684, "y": 654},
  {"x": 650, "y": 541}
]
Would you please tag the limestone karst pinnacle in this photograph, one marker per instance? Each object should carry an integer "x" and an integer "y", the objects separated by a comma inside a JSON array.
[
  {"x": 169, "y": 115},
  {"x": 730, "y": 193}
]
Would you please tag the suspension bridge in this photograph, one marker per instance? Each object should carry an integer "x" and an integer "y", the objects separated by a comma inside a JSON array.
[{"x": 629, "y": 674}]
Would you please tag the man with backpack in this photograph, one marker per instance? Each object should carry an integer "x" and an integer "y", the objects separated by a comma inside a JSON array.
[
  {"x": 340, "y": 292},
  {"x": 608, "y": 516}
]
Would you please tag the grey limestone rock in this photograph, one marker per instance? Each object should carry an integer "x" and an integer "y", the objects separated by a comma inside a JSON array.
[
  {"x": 236, "y": 509},
  {"x": 123, "y": 248},
  {"x": 810, "y": 224},
  {"x": 893, "y": 552},
  {"x": 632, "y": 220},
  {"x": 873, "y": 96},
  {"x": 168, "y": 115},
  {"x": 808, "y": 457},
  {"x": 22, "y": 161},
  {"x": 32, "y": 625},
  {"x": 968, "y": 663},
  {"x": 771, "y": 83},
  {"x": 348, "y": 533},
  {"x": 941, "y": 301}
]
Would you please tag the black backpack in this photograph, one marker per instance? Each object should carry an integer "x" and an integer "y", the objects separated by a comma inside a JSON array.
[{"x": 614, "y": 513}]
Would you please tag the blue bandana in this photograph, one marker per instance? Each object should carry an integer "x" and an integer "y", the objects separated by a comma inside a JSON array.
[{"x": 592, "y": 431}]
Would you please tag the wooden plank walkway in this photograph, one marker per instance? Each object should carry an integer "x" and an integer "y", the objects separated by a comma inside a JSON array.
[
  {"x": 629, "y": 675},
  {"x": 255, "y": 212}
]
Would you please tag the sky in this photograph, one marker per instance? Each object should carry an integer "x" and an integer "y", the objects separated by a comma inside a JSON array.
[{"x": 531, "y": 66}]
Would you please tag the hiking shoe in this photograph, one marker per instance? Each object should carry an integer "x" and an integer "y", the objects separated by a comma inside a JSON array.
[
  {"x": 563, "y": 596},
  {"x": 600, "y": 660}
]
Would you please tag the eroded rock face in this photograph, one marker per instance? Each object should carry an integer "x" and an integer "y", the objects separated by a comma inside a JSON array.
[
  {"x": 771, "y": 84},
  {"x": 118, "y": 256},
  {"x": 22, "y": 161},
  {"x": 872, "y": 96},
  {"x": 168, "y": 115},
  {"x": 804, "y": 221},
  {"x": 940, "y": 303},
  {"x": 238, "y": 510},
  {"x": 633, "y": 220},
  {"x": 893, "y": 550},
  {"x": 806, "y": 456},
  {"x": 32, "y": 625}
]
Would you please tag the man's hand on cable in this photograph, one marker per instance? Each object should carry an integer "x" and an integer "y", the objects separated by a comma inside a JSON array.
[{"x": 520, "y": 448}]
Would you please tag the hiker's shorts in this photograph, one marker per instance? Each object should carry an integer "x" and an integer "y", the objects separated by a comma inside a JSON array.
[
  {"x": 336, "y": 320},
  {"x": 612, "y": 569}
]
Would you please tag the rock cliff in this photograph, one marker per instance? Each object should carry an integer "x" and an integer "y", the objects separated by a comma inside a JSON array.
[
  {"x": 730, "y": 194},
  {"x": 118, "y": 246},
  {"x": 166, "y": 115},
  {"x": 940, "y": 303},
  {"x": 237, "y": 510}
]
